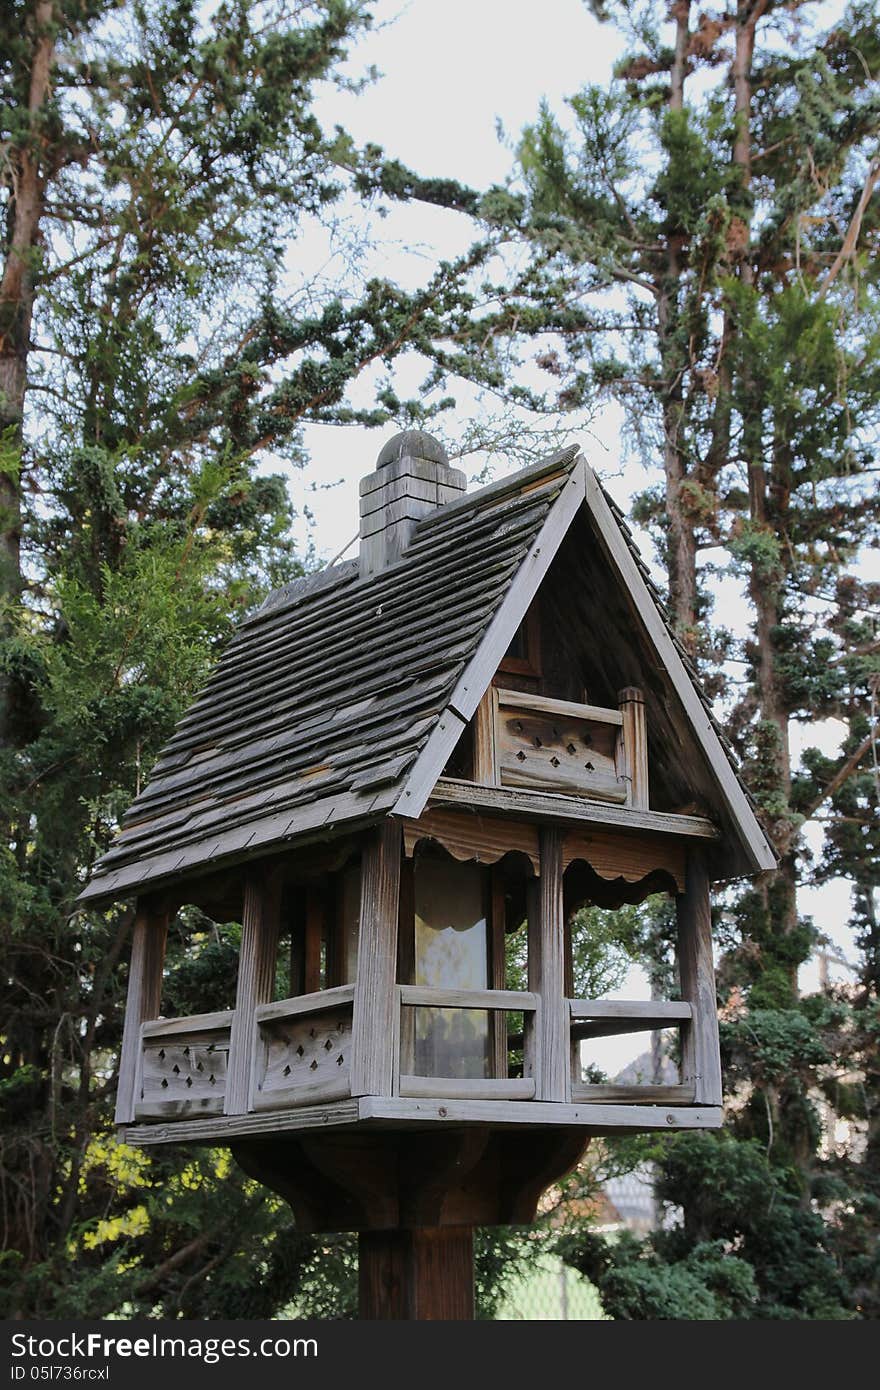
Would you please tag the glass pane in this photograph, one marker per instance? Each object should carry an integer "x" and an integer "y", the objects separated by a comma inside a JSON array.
[{"x": 451, "y": 953}]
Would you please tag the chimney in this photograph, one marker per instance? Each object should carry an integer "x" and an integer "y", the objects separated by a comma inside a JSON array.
[{"x": 412, "y": 478}]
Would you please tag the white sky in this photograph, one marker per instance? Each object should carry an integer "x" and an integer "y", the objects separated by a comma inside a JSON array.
[{"x": 451, "y": 71}]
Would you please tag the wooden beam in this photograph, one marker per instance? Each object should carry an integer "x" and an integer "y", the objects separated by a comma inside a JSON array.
[
  {"x": 469, "y": 1088},
  {"x": 400, "y": 1112},
  {"x": 143, "y": 1002},
  {"x": 574, "y": 810},
  {"x": 425, "y": 1274},
  {"x": 374, "y": 1026},
  {"x": 701, "y": 1057},
  {"x": 631, "y": 703},
  {"x": 546, "y": 929},
  {"x": 256, "y": 984},
  {"x": 542, "y": 704},
  {"x": 437, "y": 998},
  {"x": 485, "y": 733}
]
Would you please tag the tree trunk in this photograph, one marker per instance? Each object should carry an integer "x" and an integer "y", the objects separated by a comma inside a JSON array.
[{"x": 25, "y": 210}]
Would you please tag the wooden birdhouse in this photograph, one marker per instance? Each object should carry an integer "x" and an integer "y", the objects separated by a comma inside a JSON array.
[{"x": 478, "y": 726}]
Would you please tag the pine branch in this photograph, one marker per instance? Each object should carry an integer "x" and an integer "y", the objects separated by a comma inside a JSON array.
[
  {"x": 840, "y": 776},
  {"x": 850, "y": 241}
]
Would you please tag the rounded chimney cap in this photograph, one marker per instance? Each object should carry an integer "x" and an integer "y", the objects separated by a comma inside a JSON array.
[{"x": 416, "y": 444}]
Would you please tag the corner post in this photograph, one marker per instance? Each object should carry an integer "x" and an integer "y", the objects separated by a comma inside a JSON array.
[
  {"x": 374, "y": 1023},
  {"x": 143, "y": 1002},
  {"x": 256, "y": 983},
  {"x": 547, "y": 973},
  {"x": 631, "y": 703},
  {"x": 701, "y": 1057}
]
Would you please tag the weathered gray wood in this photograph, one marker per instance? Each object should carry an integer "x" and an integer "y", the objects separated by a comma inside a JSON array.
[
  {"x": 483, "y": 838},
  {"x": 180, "y": 1109},
  {"x": 449, "y": 791},
  {"x": 303, "y": 1058},
  {"x": 224, "y": 1127},
  {"x": 597, "y": 714},
  {"x": 315, "y": 1003},
  {"x": 191, "y": 1023},
  {"x": 256, "y": 984},
  {"x": 375, "y": 1002},
  {"x": 546, "y": 930},
  {"x": 306, "y": 1093},
  {"x": 753, "y": 837},
  {"x": 431, "y": 762},
  {"x": 183, "y": 1073},
  {"x": 650, "y": 1013},
  {"x": 467, "y": 998},
  {"x": 143, "y": 1001},
  {"x": 437, "y": 1087},
  {"x": 634, "y": 746},
  {"x": 485, "y": 725},
  {"x": 701, "y": 1056},
  {"x": 635, "y": 1094},
  {"x": 404, "y": 1111}
]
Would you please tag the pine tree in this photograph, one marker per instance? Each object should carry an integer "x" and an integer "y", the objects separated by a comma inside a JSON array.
[
  {"x": 702, "y": 239},
  {"x": 160, "y": 159}
]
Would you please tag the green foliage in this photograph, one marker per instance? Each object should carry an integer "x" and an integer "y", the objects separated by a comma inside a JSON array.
[{"x": 747, "y": 1247}]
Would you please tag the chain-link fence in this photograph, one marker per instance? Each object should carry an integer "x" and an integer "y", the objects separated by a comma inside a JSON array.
[{"x": 550, "y": 1292}]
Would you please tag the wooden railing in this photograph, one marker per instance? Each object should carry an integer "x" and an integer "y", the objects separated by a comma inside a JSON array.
[
  {"x": 536, "y": 743},
  {"x": 182, "y": 1066},
  {"x": 505, "y": 1087},
  {"x": 303, "y": 1052},
  {"x": 603, "y": 1018}
]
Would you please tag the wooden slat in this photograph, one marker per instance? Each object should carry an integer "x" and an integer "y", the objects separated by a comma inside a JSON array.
[
  {"x": 225, "y": 1127},
  {"x": 438, "y": 1087},
  {"x": 485, "y": 724},
  {"x": 483, "y": 838},
  {"x": 701, "y": 1056},
  {"x": 192, "y": 1023},
  {"x": 547, "y": 972},
  {"x": 596, "y": 1118},
  {"x": 307, "y": 1093},
  {"x": 449, "y": 791},
  {"x": 256, "y": 984},
  {"x": 634, "y": 1095},
  {"x": 634, "y": 746},
  {"x": 315, "y": 1003},
  {"x": 497, "y": 914},
  {"x": 631, "y": 857},
  {"x": 400, "y": 1112},
  {"x": 655, "y": 1011},
  {"x": 428, "y": 996},
  {"x": 519, "y": 699},
  {"x": 142, "y": 1003},
  {"x": 375, "y": 997}
]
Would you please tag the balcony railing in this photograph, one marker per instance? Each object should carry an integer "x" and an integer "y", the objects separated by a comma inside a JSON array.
[
  {"x": 603, "y": 1018},
  {"x": 303, "y": 1051}
]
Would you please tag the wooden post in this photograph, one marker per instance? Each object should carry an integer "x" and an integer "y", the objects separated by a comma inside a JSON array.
[
  {"x": 426, "y": 1273},
  {"x": 547, "y": 973},
  {"x": 701, "y": 1059},
  {"x": 634, "y": 737},
  {"x": 144, "y": 1001},
  {"x": 256, "y": 983},
  {"x": 374, "y": 1021},
  {"x": 485, "y": 739}
]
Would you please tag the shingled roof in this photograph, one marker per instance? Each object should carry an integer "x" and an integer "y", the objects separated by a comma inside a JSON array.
[
  {"x": 341, "y": 699},
  {"x": 325, "y": 697}
]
